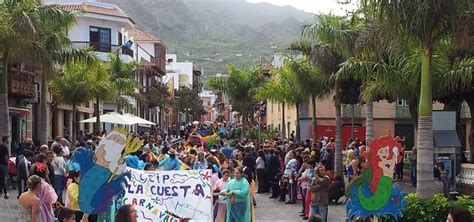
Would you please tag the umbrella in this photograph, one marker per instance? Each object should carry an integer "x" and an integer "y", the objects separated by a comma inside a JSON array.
[
  {"x": 111, "y": 117},
  {"x": 138, "y": 120}
]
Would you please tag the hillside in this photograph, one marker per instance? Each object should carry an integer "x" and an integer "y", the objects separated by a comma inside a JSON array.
[{"x": 215, "y": 32}]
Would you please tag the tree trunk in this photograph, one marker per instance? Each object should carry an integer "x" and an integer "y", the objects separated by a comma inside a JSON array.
[
  {"x": 244, "y": 125},
  {"x": 470, "y": 102},
  {"x": 97, "y": 124},
  {"x": 352, "y": 121},
  {"x": 4, "y": 113},
  {"x": 74, "y": 125},
  {"x": 43, "y": 134},
  {"x": 160, "y": 119},
  {"x": 283, "y": 124},
  {"x": 298, "y": 133},
  {"x": 369, "y": 121},
  {"x": 424, "y": 167},
  {"x": 314, "y": 120},
  {"x": 338, "y": 166}
]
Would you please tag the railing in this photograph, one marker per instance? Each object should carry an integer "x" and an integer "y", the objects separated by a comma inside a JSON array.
[
  {"x": 347, "y": 111},
  {"x": 21, "y": 83},
  {"x": 161, "y": 64},
  {"x": 101, "y": 47},
  {"x": 402, "y": 112}
]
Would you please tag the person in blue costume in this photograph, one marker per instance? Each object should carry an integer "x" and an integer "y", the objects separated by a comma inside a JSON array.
[
  {"x": 97, "y": 188},
  {"x": 237, "y": 191},
  {"x": 171, "y": 162}
]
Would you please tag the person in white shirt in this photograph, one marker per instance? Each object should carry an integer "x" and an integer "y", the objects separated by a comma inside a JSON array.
[
  {"x": 59, "y": 165},
  {"x": 65, "y": 146}
]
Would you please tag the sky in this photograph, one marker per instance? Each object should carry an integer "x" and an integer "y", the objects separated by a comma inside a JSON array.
[{"x": 314, "y": 6}]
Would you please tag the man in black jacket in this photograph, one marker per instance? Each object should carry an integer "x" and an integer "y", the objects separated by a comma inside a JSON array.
[
  {"x": 22, "y": 170},
  {"x": 273, "y": 168},
  {"x": 4, "y": 165}
]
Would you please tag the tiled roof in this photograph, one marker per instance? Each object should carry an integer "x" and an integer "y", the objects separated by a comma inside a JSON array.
[
  {"x": 116, "y": 12},
  {"x": 142, "y": 36}
]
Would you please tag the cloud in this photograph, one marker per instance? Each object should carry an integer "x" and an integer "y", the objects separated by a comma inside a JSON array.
[{"x": 314, "y": 6}]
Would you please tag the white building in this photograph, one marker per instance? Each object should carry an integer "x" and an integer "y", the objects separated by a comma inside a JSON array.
[
  {"x": 181, "y": 73},
  {"x": 106, "y": 28}
]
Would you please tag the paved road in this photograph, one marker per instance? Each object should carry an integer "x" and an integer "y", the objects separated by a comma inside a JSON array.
[
  {"x": 267, "y": 209},
  {"x": 274, "y": 210}
]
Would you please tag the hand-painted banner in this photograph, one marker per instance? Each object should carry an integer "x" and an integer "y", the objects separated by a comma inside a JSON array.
[{"x": 170, "y": 196}]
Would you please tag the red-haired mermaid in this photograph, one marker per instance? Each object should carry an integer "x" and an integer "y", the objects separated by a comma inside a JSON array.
[{"x": 373, "y": 192}]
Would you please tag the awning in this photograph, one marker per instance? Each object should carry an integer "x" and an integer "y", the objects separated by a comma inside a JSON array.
[
  {"x": 16, "y": 111},
  {"x": 446, "y": 138}
]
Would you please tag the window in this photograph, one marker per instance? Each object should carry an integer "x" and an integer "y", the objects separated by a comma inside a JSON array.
[
  {"x": 170, "y": 60},
  {"x": 401, "y": 102},
  {"x": 100, "y": 39}
]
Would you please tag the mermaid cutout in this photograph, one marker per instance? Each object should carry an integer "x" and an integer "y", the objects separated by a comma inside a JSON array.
[{"x": 373, "y": 192}]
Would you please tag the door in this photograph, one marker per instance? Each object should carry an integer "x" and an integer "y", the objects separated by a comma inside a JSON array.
[{"x": 406, "y": 131}]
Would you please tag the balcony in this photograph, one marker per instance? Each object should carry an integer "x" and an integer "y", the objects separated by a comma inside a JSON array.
[
  {"x": 347, "y": 111},
  {"x": 101, "y": 47},
  {"x": 402, "y": 112},
  {"x": 161, "y": 65},
  {"x": 21, "y": 83}
]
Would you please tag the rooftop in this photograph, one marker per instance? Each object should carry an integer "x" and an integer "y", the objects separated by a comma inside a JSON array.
[
  {"x": 142, "y": 36},
  {"x": 112, "y": 10}
]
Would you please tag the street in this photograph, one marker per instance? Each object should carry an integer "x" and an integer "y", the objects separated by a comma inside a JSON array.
[{"x": 266, "y": 209}]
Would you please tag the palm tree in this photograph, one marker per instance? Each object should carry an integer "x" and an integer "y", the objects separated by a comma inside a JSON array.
[
  {"x": 275, "y": 90},
  {"x": 242, "y": 85},
  {"x": 309, "y": 79},
  {"x": 241, "y": 88},
  {"x": 332, "y": 39},
  {"x": 51, "y": 52},
  {"x": 312, "y": 83},
  {"x": 74, "y": 87},
  {"x": 122, "y": 77},
  {"x": 426, "y": 21},
  {"x": 101, "y": 89},
  {"x": 21, "y": 22}
]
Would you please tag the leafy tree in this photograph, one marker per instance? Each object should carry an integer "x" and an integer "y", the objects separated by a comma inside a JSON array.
[
  {"x": 21, "y": 23},
  {"x": 158, "y": 96},
  {"x": 241, "y": 89},
  {"x": 101, "y": 89},
  {"x": 73, "y": 87},
  {"x": 188, "y": 101}
]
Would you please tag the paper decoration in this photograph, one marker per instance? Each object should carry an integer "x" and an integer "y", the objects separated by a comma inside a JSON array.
[
  {"x": 373, "y": 192},
  {"x": 102, "y": 172},
  {"x": 170, "y": 195}
]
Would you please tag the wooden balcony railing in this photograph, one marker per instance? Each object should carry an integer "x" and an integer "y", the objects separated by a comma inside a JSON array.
[
  {"x": 21, "y": 83},
  {"x": 402, "y": 112},
  {"x": 161, "y": 64},
  {"x": 101, "y": 47},
  {"x": 347, "y": 111}
]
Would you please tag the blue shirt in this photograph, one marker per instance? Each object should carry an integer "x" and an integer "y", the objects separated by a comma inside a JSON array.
[
  {"x": 310, "y": 173},
  {"x": 170, "y": 164},
  {"x": 290, "y": 168}
]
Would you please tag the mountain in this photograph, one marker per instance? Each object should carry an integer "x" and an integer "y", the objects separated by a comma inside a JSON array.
[{"x": 213, "y": 33}]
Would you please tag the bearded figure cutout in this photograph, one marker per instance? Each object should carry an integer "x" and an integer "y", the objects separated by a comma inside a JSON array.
[{"x": 102, "y": 172}]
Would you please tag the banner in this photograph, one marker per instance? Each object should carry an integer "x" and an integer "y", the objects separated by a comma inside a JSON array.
[{"x": 170, "y": 196}]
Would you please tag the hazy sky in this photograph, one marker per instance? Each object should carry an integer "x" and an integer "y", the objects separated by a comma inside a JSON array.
[{"x": 314, "y": 6}]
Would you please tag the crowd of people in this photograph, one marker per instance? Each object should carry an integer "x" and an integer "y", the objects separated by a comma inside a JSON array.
[{"x": 288, "y": 170}]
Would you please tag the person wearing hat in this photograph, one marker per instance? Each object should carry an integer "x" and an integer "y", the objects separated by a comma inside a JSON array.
[{"x": 171, "y": 162}]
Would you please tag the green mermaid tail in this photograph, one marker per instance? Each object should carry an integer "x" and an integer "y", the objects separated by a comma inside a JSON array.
[{"x": 380, "y": 198}]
